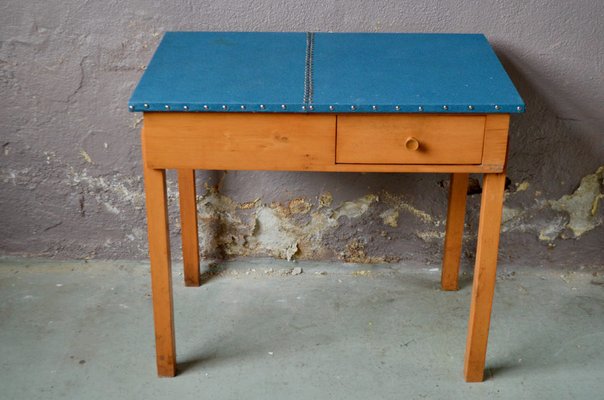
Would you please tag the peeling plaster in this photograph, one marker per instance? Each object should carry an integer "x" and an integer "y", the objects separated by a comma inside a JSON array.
[
  {"x": 522, "y": 186},
  {"x": 111, "y": 192},
  {"x": 509, "y": 214},
  {"x": 325, "y": 199},
  {"x": 272, "y": 233},
  {"x": 397, "y": 202},
  {"x": 552, "y": 229},
  {"x": 574, "y": 214},
  {"x": 429, "y": 236},
  {"x": 299, "y": 206},
  {"x": 86, "y": 156},
  {"x": 253, "y": 228},
  {"x": 355, "y": 253},
  {"x": 390, "y": 217},
  {"x": 582, "y": 205},
  {"x": 354, "y": 209}
]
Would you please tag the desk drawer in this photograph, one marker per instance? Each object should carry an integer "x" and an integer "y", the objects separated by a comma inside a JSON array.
[
  {"x": 410, "y": 139},
  {"x": 239, "y": 141}
]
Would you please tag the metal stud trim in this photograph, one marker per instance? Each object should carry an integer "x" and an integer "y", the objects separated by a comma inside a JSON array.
[{"x": 312, "y": 107}]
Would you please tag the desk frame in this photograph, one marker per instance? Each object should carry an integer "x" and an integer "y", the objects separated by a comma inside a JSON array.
[{"x": 160, "y": 131}]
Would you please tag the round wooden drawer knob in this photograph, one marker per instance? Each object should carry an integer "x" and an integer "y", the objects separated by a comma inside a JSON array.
[{"x": 411, "y": 144}]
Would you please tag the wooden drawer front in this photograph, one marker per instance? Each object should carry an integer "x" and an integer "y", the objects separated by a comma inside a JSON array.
[
  {"x": 410, "y": 139},
  {"x": 239, "y": 141}
]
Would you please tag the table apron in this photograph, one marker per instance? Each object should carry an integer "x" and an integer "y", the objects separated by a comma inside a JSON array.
[{"x": 325, "y": 142}]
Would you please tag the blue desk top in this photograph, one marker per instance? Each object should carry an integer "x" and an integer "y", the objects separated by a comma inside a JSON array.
[{"x": 325, "y": 72}]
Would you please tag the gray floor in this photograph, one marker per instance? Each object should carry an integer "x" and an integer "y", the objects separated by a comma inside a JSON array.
[{"x": 81, "y": 330}]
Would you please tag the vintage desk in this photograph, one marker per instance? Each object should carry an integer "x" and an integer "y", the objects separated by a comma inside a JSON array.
[{"x": 344, "y": 102}]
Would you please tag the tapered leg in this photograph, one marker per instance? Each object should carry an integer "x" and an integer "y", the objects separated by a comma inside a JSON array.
[
  {"x": 161, "y": 274},
  {"x": 484, "y": 276},
  {"x": 455, "y": 219},
  {"x": 188, "y": 221}
]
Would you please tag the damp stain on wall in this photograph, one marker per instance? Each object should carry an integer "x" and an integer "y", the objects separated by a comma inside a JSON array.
[
  {"x": 582, "y": 205},
  {"x": 569, "y": 217},
  {"x": 300, "y": 228},
  {"x": 304, "y": 227}
]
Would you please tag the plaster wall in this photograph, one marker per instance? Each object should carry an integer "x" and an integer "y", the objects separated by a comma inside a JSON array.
[{"x": 70, "y": 173}]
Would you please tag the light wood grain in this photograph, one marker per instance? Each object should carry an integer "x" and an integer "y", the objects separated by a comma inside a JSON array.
[
  {"x": 239, "y": 141},
  {"x": 280, "y": 142},
  {"x": 413, "y": 168},
  {"x": 188, "y": 222},
  {"x": 496, "y": 141},
  {"x": 484, "y": 276},
  {"x": 384, "y": 139},
  {"x": 455, "y": 223},
  {"x": 161, "y": 270}
]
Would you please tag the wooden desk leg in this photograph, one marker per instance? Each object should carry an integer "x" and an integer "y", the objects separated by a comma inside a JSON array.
[
  {"x": 161, "y": 270},
  {"x": 484, "y": 276},
  {"x": 188, "y": 223},
  {"x": 456, "y": 213}
]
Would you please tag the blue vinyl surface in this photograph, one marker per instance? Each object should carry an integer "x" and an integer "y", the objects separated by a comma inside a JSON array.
[
  {"x": 325, "y": 72},
  {"x": 216, "y": 69}
]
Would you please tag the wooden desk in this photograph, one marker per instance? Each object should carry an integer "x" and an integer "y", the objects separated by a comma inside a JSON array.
[{"x": 188, "y": 126}]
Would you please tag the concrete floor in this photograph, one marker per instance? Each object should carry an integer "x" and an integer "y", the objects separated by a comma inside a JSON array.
[{"x": 76, "y": 330}]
